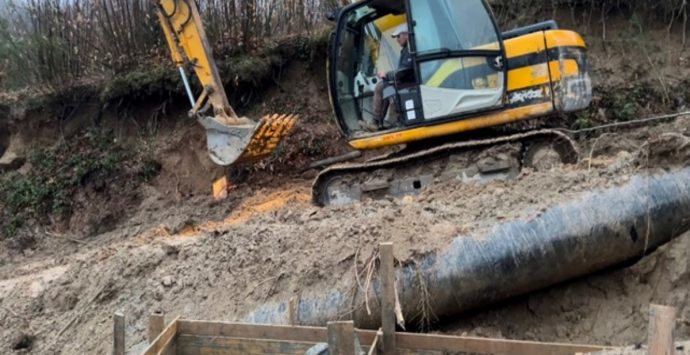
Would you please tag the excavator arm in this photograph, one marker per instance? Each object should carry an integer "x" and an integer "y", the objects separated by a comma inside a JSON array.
[{"x": 231, "y": 139}]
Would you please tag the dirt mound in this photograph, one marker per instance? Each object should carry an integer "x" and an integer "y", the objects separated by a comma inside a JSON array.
[
  {"x": 663, "y": 139},
  {"x": 301, "y": 88}
]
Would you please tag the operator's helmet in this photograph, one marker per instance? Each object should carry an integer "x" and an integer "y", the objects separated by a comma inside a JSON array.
[{"x": 400, "y": 30}]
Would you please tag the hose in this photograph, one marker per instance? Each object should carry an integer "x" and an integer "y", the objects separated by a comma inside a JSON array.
[{"x": 627, "y": 123}]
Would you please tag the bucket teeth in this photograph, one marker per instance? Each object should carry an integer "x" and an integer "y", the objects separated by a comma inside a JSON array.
[{"x": 269, "y": 133}]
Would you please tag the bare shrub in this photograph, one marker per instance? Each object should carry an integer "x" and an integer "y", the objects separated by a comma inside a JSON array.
[{"x": 62, "y": 43}]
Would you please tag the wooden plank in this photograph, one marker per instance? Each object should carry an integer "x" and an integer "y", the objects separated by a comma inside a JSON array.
[
  {"x": 218, "y": 345},
  {"x": 156, "y": 326},
  {"x": 373, "y": 348},
  {"x": 341, "y": 338},
  {"x": 168, "y": 347},
  {"x": 119, "y": 334},
  {"x": 408, "y": 341},
  {"x": 164, "y": 342},
  {"x": 387, "y": 275},
  {"x": 662, "y": 322},
  {"x": 447, "y": 343},
  {"x": 214, "y": 345},
  {"x": 254, "y": 331}
]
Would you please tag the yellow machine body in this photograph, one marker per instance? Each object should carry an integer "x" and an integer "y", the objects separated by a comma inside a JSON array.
[
  {"x": 488, "y": 79},
  {"x": 541, "y": 75}
]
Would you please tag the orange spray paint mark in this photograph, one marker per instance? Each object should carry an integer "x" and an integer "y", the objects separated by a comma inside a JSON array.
[{"x": 221, "y": 187}]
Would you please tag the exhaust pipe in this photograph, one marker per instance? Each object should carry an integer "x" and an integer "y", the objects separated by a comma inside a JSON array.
[{"x": 601, "y": 230}]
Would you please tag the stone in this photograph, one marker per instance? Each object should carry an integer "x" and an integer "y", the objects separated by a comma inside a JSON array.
[
  {"x": 11, "y": 161},
  {"x": 167, "y": 281},
  {"x": 22, "y": 341}
]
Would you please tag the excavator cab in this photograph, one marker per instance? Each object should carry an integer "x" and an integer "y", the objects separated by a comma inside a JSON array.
[
  {"x": 466, "y": 74},
  {"x": 444, "y": 35},
  {"x": 230, "y": 139}
]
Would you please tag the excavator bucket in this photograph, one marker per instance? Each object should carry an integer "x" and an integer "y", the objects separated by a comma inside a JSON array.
[
  {"x": 231, "y": 139},
  {"x": 233, "y": 144}
]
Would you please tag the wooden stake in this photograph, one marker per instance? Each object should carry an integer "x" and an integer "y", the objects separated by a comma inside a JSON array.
[
  {"x": 292, "y": 311},
  {"x": 387, "y": 298},
  {"x": 341, "y": 338},
  {"x": 119, "y": 334},
  {"x": 156, "y": 326},
  {"x": 662, "y": 322}
]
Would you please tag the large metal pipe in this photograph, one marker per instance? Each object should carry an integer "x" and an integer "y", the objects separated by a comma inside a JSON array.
[{"x": 598, "y": 231}]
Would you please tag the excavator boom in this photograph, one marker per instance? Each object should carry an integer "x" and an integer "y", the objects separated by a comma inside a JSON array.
[{"x": 231, "y": 139}]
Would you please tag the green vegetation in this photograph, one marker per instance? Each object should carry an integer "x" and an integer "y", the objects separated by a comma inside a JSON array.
[
  {"x": 55, "y": 173},
  {"x": 46, "y": 191},
  {"x": 240, "y": 70},
  {"x": 616, "y": 104},
  {"x": 583, "y": 120},
  {"x": 628, "y": 103},
  {"x": 142, "y": 83},
  {"x": 149, "y": 169}
]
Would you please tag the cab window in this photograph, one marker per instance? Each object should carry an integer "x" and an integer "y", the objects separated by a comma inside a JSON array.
[
  {"x": 453, "y": 25},
  {"x": 457, "y": 82}
]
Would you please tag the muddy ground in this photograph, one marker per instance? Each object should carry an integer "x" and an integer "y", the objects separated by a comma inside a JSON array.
[
  {"x": 171, "y": 249},
  {"x": 269, "y": 245}
]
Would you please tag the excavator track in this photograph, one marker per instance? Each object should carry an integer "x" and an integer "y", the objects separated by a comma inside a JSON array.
[{"x": 479, "y": 161}]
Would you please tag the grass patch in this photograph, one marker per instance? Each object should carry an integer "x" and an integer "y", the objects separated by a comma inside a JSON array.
[
  {"x": 625, "y": 104},
  {"x": 616, "y": 104},
  {"x": 241, "y": 71}
]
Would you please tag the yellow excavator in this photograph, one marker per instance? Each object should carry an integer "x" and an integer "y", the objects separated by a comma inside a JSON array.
[{"x": 471, "y": 107}]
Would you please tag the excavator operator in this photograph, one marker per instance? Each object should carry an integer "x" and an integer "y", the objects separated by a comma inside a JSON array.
[{"x": 380, "y": 105}]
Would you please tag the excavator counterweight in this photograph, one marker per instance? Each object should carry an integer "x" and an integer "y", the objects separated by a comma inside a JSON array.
[{"x": 231, "y": 139}]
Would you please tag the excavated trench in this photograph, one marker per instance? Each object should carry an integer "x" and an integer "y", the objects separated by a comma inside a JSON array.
[{"x": 585, "y": 235}]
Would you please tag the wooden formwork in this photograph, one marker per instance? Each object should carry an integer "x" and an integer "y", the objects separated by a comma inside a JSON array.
[
  {"x": 190, "y": 337},
  {"x": 218, "y": 338}
]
